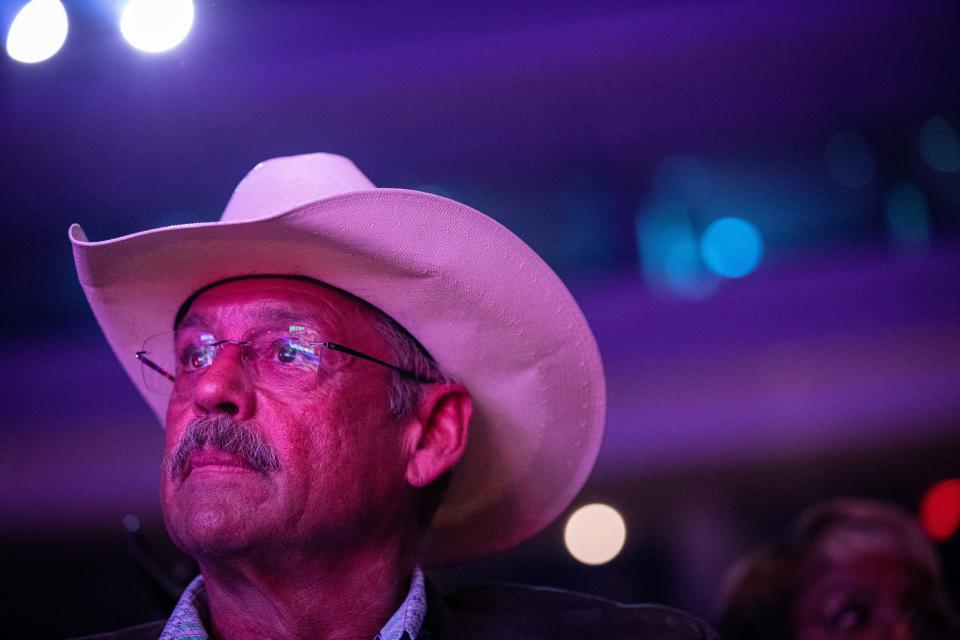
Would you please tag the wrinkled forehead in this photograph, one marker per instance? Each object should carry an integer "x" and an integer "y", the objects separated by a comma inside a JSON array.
[{"x": 252, "y": 302}]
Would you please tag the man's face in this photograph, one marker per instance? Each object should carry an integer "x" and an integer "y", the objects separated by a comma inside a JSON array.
[
  {"x": 874, "y": 595},
  {"x": 340, "y": 472}
]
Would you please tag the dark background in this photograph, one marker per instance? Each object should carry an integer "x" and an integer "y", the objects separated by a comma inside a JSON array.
[{"x": 608, "y": 136}]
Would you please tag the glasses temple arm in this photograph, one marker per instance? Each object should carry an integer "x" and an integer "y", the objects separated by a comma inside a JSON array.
[
  {"x": 404, "y": 372},
  {"x": 142, "y": 357}
]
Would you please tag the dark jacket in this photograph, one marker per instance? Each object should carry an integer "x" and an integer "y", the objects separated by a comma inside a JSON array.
[{"x": 516, "y": 612}]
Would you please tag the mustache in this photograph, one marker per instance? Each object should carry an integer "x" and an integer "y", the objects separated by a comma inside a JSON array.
[{"x": 240, "y": 438}]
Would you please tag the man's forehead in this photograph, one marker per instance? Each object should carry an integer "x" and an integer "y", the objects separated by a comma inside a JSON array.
[
  {"x": 267, "y": 300},
  {"x": 260, "y": 312}
]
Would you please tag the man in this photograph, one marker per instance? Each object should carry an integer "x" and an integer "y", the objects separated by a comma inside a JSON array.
[
  {"x": 844, "y": 569},
  {"x": 319, "y": 357}
]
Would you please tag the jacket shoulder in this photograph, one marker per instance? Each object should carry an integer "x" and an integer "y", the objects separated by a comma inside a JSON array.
[
  {"x": 519, "y": 611},
  {"x": 148, "y": 631}
]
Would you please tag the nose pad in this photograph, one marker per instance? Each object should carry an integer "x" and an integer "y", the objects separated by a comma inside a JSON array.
[{"x": 225, "y": 386}]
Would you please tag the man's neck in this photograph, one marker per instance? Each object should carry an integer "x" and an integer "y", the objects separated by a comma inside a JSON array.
[{"x": 331, "y": 598}]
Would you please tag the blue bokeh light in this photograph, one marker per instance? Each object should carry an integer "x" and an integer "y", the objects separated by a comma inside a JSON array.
[
  {"x": 940, "y": 145},
  {"x": 908, "y": 215},
  {"x": 731, "y": 247},
  {"x": 667, "y": 247}
]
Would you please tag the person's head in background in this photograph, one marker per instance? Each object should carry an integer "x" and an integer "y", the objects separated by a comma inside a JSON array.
[{"x": 846, "y": 569}]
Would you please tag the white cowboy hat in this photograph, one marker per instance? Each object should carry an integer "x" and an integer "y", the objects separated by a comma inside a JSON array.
[{"x": 487, "y": 308}]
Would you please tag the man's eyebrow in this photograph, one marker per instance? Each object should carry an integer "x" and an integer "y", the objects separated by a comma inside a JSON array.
[
  {"x": 194, "y": 321},
  {"x": 265, "y": 314},
  {"x": 285, "y": 316}
]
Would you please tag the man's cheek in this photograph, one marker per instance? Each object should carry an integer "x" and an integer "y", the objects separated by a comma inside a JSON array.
[{"x": 177, "y": 419}]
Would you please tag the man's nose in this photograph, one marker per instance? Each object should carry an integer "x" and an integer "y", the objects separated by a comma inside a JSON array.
[
  {"x": 225, "y": 386},
  {"x": 900, "y": 629}
]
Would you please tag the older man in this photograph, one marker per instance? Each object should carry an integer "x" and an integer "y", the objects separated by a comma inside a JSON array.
[{"x": 318, "y": 357}]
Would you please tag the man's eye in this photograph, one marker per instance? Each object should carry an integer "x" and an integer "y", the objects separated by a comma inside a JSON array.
[
  {"x": 294, "y": 351},
  {"x": 198, "y": 357},
  {"x": 850, "y": 616}
]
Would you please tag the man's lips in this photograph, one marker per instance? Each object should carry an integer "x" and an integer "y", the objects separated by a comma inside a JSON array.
[{"x": 214, "y": 460}]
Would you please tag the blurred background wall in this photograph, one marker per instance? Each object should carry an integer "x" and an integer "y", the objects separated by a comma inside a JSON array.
[{"x": 756, "y": 203}]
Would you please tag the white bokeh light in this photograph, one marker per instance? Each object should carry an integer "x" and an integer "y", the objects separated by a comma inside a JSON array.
[
  {"x": 595, "y": 534},
  {"x": 156, "y": 25},
  {"x": 38, "y": 31}
]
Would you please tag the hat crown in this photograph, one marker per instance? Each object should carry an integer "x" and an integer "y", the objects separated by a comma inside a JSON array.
[{"x": 281, "y": 184}]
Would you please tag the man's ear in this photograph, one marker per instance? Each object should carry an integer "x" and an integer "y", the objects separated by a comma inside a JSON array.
[{"x": 436, "y": 436}]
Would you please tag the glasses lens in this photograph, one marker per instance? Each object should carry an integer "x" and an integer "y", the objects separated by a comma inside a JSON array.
[
  {"x": 157, "y": 363},
  {"x": 289, "y": 354}
]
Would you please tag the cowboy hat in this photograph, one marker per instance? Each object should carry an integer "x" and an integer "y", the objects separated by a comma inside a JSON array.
[{"x": 484, "y": 304}]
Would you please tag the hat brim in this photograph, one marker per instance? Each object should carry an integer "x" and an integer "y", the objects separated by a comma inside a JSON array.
[{"x": 490, "y": 311}]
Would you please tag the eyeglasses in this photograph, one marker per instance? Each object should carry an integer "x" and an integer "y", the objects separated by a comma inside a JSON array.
[{"x": 287, "y": 355}]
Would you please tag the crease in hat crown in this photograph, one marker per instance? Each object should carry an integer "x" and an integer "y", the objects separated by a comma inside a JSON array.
[
  {"x": 282, "y": 184},
  {"x": 487, "y": 299}
]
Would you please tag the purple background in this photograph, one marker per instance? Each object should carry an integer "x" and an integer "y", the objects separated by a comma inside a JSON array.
[{"x": 834, "y": 368}]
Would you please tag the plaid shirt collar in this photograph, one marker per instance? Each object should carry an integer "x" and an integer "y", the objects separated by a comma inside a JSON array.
[{"x": 190, "y": 616}]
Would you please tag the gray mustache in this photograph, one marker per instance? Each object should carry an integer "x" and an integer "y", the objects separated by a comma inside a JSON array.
[{"x": 228, "y": 435}]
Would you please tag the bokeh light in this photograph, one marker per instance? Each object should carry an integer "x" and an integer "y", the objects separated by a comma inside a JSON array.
[
  {"x": 38, "y": 31},
  {"x": 849, "y": 159},
  {"x": 156, "y": 25},
  {"x": 595, "y": 534},
  {"x": 684, "y": 274},
  {"x": 940, "y": 145},
  {"x": 131, "y": 523},
  {"x": 940, "y": 509},
  {"x": 731, "y": 247},
  {"x": 908, "y": 215},
  {"x": 667, "y": 247}
]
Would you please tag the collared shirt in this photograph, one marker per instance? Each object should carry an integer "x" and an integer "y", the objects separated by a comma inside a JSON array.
[{"x": 191, "y": 615}]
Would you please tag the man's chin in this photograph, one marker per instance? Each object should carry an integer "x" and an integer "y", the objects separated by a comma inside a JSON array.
[
  {"x": 213, "y": 524},
  {"x": 211, "y": 532}
]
